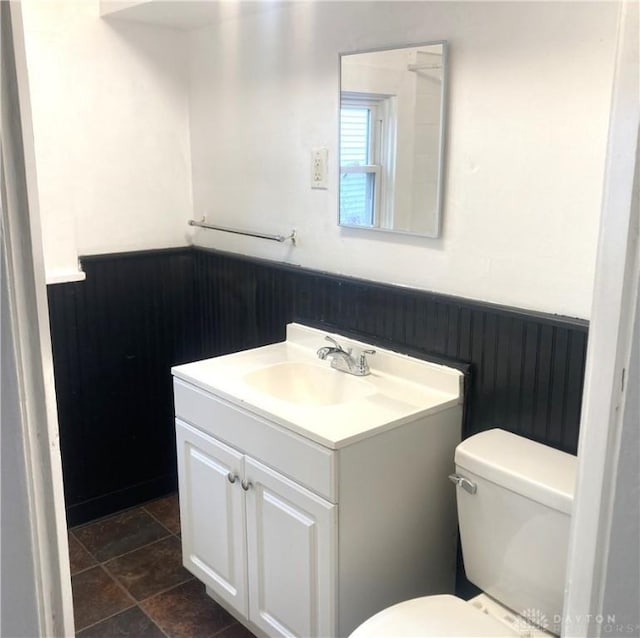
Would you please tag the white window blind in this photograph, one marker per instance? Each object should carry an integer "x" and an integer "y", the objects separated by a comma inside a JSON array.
[{"x": 358, "y": 172}]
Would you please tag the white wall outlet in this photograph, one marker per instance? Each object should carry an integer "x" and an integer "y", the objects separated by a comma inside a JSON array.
[{"x": 319, "y": 160}]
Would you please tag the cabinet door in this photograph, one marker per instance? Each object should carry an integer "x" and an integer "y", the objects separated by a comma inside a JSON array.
[
  {"x": 291, "y": 546},
  {"x": 212, "y": 514}
]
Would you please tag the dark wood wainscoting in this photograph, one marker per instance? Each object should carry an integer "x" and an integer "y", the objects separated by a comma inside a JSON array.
[{"x": 116, "y": 335}]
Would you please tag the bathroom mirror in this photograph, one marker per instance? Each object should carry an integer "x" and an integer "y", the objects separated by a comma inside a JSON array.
[{"x": 392, "y": 121}]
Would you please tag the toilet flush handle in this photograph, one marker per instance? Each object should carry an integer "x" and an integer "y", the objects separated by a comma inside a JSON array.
[{"x": 464, "y": 483}]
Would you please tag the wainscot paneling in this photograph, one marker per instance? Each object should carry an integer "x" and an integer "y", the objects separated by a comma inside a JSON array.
[
  {"x": 116, "y": 335},
  {"x": 527, "y": 368}
]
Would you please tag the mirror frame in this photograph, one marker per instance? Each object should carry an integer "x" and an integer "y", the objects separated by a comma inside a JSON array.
[{"x": 439, "y": 209}]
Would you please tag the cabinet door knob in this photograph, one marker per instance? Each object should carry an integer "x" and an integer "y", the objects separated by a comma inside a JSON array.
[
  {"x": 246, "y": 484},
  {"x": 232, "y": 477}
]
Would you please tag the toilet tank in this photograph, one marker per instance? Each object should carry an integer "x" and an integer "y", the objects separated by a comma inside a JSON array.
[{"x": 514, "y": 529}]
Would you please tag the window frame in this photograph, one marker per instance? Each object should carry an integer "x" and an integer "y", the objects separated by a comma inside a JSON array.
[{"x": 381, "y": 161}]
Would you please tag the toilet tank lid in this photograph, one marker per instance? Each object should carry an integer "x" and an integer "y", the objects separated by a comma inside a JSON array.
[{"x": 537, "y": 471}]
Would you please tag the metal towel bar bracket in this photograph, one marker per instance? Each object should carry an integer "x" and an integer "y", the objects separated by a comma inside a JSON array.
[{"x": 235, "y": 231}]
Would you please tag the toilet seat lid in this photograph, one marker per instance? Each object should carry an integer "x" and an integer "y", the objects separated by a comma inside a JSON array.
[{"x": 441, "y": 616}]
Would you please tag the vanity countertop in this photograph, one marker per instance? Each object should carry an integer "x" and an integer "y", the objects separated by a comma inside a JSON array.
[{"x": 399, "y": 388}]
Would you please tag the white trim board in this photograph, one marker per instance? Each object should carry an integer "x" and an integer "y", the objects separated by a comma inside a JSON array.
[
  {"x": 35, "y": 492},
  {"x": 610, "y": 338}
]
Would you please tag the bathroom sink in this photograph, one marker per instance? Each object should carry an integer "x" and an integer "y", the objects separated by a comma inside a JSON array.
[
  {"x": 290, "y": 384},
  {"x": 307, "y": 384}
]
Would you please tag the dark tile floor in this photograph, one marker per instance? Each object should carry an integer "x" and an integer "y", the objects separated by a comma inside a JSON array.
[{"x": 128, "y": 580}]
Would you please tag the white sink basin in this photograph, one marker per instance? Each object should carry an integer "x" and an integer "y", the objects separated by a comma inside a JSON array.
[
  {"x": 289, "y": 385},
  {"x": 308, "y": 384}
]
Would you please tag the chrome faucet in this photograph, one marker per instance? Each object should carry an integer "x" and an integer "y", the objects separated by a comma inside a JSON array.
[{"x": 343, "y": 360}]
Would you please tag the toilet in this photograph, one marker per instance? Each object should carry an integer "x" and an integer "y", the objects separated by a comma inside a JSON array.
[{"x": 514, "y": 508}]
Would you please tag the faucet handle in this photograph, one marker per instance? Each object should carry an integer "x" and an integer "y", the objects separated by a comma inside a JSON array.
[
  {"x": 364, "y": 365},
  {"x": 332, "y": 340},
  {"x": 336, "y": 344}
]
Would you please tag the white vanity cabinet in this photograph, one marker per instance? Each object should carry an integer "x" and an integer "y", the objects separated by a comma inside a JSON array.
[
  {"x": 310, "y": 498},
  {"x": 291, "y": 546},
  {"x": 213, "y": 514},
  {"x": 262, "y": 544},
  {"x": 298, "y": 540}
]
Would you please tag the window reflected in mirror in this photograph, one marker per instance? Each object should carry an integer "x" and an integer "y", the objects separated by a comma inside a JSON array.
[{"x": 391, "y": 139}]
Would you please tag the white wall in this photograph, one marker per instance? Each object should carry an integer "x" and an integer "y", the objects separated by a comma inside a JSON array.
[
  {"x": 529, "y": 105},
  {"x": 111, "y": 125}
]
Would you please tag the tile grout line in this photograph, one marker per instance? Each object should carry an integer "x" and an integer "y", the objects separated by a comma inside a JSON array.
[
  {"x": 105, "y": 618},
  {"x": 168, "y": 589},
  {"x": 130, "y": 551},
  {"x": 71, "y": 532},
  {"x": 82, "y": 545},
  {"x": 99, "y": 565},
  {"x": 86, "y": 569},
  {"x": 141, "y": 506},
  {"x": 136, "y": 603},
  {"x": 105, "y": 517},
  {"x": 164, "y": 591},
  {"x": 156, "y": 624},
  {"x": 235, "y": 622},
  {"x": 155, "y": 518},
  {"x": 103, "y": 566},
  {"x": 100, "y": 562},
  {"x": 127, "y": 594},
  {"x": 115, "y": 580}
]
